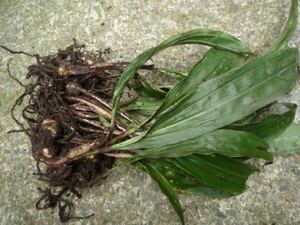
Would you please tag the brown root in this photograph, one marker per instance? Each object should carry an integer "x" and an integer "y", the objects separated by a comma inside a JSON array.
[{"x": 68, "y": 91}]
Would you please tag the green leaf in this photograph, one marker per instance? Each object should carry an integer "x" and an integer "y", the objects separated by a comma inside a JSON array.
[
  {"x": 171, "y": 73},
  {"x": 166, "y": 188},
  {"x": 104, "y": 121},
  {"x": 289, "y": 28},
  {"x": 151, "y": 89},
  {"x": 180, "y": 180},
  {"x": 199, "y": 36},
  {"x": 225, "y": 99},
  {"x": 222, "y": 173},
  {"x": 213, "y": 63},
  {"x": 288, "y": 142},
  {"x": 144, "y": 102},
  {"x": 270, "y": 123},
  {"x": 184, "y": 182},
  {"x": 226, "y": 142}
]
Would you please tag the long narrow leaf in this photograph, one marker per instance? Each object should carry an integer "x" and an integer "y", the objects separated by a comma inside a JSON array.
[
  {"x": 213, "y": 63},
  {"x": 226, "y": 99},
  {"x": 270, "y": 124},
  {"x": 288, "y": 142},
  {"x": 226, "y": 142},
  {"x": 145, "y": 103},
  {"x": 172, "y": 74},
  {"x": 180, "y": 180},
  {"x": 214, "y": 173},
  {"x": 289, "y": 28},
  {"x": 199, "y": 36},
  {"x": 166, "y": 188},
  {"x": 184, "y": 182},
  {"x": 151, "y": 89}
]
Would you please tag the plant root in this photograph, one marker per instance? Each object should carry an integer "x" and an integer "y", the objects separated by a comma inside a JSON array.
[{"x": 67, "y": 93}]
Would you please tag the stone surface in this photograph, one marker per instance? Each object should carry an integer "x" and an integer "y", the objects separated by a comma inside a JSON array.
[{"x": 129, "y": 27}]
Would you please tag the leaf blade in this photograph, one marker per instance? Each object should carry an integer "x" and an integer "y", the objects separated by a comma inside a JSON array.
[
  {"x": 184, "y": 182},
  {"x": 225, "y": 142},
  {"x": 212, "y": 64},
  {"x": 151, "y": 89},
  {"x": 166, "y": 188},
  {"x": 272, "y": 125},
  {"x": 212, "y": 173},
  {"x": 144, "y": 102},
  {"x": 226, "y": 99},
  {"x": 288, "y": 29},
  {"x": 198, "y": 36},
  {"x": 288, "y": 142}
]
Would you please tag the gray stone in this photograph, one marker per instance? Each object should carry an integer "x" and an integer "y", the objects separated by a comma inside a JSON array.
[{"x": 129, "y": 27}]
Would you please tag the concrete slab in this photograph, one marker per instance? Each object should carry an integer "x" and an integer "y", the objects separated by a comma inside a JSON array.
[{"x": 128, "y": 27}]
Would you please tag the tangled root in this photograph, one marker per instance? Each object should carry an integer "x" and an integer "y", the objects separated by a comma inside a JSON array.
[{"x": 67, "y": 93}]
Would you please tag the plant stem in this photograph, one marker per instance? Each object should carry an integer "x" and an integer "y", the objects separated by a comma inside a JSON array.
[
  {"x": 74, "y": 86},
  {"x": 119, "y": 155},
  {"x": 96, "y": 109},
  {"x": 72, "y": 155}
]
